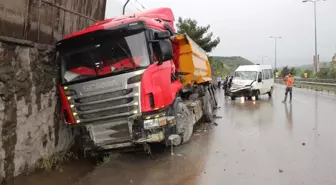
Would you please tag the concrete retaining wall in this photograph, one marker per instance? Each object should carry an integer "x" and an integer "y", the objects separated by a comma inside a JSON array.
[{"x": 30, "y": 126}]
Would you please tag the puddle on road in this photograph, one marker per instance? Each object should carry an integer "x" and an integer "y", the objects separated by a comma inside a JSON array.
[{"x": 66, "y": 174}]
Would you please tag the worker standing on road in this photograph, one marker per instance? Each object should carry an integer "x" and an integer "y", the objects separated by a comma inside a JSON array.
[
  {"x": 230, "y": 82},
  {"x": 289, "y": 79},
  {"x": 225, "y": 84},
  {"x": 219, "y": 81}
]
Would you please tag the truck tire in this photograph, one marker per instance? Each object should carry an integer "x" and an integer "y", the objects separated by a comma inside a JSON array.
[
  {"x": 207, "y": 108},
  {"x": 184, "y": 120}
]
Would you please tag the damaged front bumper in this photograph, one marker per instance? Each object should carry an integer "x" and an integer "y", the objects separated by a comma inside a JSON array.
[
  {"x": 152, "y": 129},
  {"x": 241, "y": 91}
]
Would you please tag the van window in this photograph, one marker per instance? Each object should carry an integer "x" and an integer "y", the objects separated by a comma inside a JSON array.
[
  {"x": 265, "y": 74},
  {"x": 271, "y": 73}
]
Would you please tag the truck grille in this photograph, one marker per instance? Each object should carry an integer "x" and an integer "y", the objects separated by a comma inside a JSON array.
[
  {"x": 106, "y": 115},
  {"x": 105, "y": 106},
  {"x": 117, "y": 104}
]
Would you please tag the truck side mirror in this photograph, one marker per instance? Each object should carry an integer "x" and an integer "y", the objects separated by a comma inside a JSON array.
[
  {"x": 164, "y": 50},
  {"x": 161, "y": 35}
]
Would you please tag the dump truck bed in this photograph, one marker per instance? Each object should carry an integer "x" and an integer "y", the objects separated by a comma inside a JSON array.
[{"x": 193, "y": 60}]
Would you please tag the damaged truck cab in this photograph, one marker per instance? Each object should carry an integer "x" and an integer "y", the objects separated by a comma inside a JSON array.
[{"x": 121, "y": 82}]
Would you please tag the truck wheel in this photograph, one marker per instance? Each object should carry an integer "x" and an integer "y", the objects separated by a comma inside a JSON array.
[
  {"x": 184, "y": 120},
  {"x": 207, "y": 108}
]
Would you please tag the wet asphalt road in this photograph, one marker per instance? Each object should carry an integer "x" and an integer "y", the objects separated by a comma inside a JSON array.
[{"x": 255, "y": 143}]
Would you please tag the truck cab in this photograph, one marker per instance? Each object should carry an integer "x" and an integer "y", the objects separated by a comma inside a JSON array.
[{"x": 120, "y": 82}]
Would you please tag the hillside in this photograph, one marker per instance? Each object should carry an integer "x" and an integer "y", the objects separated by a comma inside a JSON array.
[
  {"x": 233, "y": 62},
  {"x": 223, "y": 66},
  {"x": 309, "y": 66}
]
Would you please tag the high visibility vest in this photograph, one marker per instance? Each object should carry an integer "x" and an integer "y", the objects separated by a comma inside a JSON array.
[{"x": 290, "y": 81}]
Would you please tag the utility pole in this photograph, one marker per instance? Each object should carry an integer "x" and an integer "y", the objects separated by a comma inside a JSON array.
[
  {"x": 316, "y": 56},
  {"x": 275, "y": 51}
]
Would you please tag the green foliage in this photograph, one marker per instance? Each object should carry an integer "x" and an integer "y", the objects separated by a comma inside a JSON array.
[
  {"x": 284, "y": 71},
  {"x": 223, "y": 66},
  {"x": 327, "y": 72},
  {"x": 309, "y": 73},
  {"x": 198, "y": 34},
  {"x": 233, "y": 62},
  {"x": 54, "y": 161},
  {"x": 293, "y": 71}
]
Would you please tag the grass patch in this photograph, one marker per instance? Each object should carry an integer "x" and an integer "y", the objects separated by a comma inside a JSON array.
[{"x": 54, "y": 161}]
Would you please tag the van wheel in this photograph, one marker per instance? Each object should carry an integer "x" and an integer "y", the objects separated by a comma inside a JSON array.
[
  {"x": 207, "y": 108},
  {"x": 184, "y": 120},
  {"x": 256, "y": 94},
  {"x": 270, "y": 93},
  {"x": 233, "y": 98}
]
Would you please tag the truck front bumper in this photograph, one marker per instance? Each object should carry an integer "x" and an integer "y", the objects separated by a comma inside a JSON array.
[{"x": 148, "y": 130}]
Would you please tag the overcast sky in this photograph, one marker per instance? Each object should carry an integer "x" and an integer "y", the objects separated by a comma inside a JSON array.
[{"x": 244, "y": 26}]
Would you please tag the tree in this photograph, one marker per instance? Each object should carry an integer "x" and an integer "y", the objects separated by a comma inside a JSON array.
[
  {"x": 323, "y": 73},
  {"x": 293, "y": 71},
  {"x": 309, "y": 73},
  {"x": 199, "y": 34},
  {"x": 284, "y": 71}
]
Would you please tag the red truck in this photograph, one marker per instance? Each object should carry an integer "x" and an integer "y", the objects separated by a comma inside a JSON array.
[{"x": 131, "y": 80}]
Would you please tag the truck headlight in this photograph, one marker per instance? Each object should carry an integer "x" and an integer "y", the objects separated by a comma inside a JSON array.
[{"x": 154, "y": 123}]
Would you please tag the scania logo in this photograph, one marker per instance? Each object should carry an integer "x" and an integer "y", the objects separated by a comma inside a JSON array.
[{"x": 101, "y": 85}]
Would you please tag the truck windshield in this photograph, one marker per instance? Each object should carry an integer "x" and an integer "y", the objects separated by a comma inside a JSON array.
[
  {"x": 105, "y": 56},
  {"x": 246, "y": 75}
]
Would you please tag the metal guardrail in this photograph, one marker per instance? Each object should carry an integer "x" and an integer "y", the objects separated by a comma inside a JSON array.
[
  {"x": 323, "y": 85},
  {"x": 331, "y": 81}
]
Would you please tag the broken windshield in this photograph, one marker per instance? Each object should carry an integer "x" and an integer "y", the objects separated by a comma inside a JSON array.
[
  {"x": 105, "y": 56},
  {"x": 246, "y": 75}
]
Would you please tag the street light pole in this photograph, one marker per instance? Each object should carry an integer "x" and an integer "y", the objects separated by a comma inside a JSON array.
[
  {"x": 262, "y": 59},
  {"x": 275, "y": 51},
  {"x": 316, "y": 57}
]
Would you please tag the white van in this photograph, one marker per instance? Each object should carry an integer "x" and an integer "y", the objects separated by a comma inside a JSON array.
[{"x": 252, "y": 80}]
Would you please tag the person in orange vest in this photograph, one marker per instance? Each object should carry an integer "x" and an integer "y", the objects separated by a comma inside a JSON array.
[{"x": 289, "y": 79}]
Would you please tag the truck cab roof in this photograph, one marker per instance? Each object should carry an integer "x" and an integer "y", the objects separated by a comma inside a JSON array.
[{"x": 151, "y": 17}]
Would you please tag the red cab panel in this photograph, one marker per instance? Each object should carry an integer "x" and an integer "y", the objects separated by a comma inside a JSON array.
[{"x": 156, "y": 82}]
